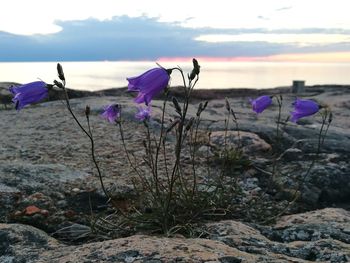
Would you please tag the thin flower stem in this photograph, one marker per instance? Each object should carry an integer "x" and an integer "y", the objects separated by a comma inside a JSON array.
[
  {"x": 165, "y": 161},
  {"x": 278, "y": 136},
  {"x": 153, "y": 163},
  {"x": 142, "y": 178},
  {"x": 160, "y": 140},
  {"x": 235, "y": 120},
  {"x": 89, "y": 135},
  {"x": 194, "y": 143},
  {"x": 279, "y": 101},
  {"x": 208, "y": 152},
  {"x": 94, "y": 158},
  {"x": 224, "y": 167},
  {"x": 178, "y": 145},
  {"x": 149, "y": 149},
  {"x": 73, "y": 115},
  {"x": 296, "y": 195}
]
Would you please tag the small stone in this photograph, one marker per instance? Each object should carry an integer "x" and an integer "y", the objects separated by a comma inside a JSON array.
[
  {"x": 256, "y": 191},
  {"x": 37, "y": 196},
  {"x": 302, "y": 235},
  {"x": 17, "y": 213},
  {"x": 346, "y": 230},
  {"x": 44, "y": 212},
  {"x": 62, "y": 203},
  {"x": 70, "y": 213},
  {"x": 76, "y": 190},
  {"x": 31, "y": 210}
]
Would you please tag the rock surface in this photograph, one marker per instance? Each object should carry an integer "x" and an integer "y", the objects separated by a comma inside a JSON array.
[{"x": 321, "y": 236}]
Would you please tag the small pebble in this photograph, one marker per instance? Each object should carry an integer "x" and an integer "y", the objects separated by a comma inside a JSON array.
[
  {"x": 17, "y": 213},
  {"x": 44, "y": 212}
]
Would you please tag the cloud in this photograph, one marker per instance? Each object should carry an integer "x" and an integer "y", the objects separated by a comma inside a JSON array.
[
  {"x": 142, "y": 38},
  {"x": 284, "y": 8},
  {"x": 263, "y": 18}
]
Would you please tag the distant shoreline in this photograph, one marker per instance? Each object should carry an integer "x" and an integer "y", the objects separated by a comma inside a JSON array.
[
  {"x": 210, "y": 94},
  {"x": 197, "y": 94}
]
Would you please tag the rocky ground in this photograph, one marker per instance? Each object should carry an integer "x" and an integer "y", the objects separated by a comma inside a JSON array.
[
  {"x": 48, "y": 182},
  {"x": 321, "y": 236}
]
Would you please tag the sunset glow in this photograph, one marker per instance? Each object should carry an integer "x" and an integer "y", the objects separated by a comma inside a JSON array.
[
  {"x": 336, "y": 57},
  {"x": 302, "y": 40},
  {"x": 331, "y": 57}
]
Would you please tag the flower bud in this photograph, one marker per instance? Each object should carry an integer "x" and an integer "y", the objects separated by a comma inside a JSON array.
[
  {"x": 195, "y": 70},
  {"x": 58, "y": 84},
  {"x": 233, "y": 114},
  {"x": 199, "y": 111},
  {"x": 330, "y": 117},
  {"x": 205, "y": 105},
  {"x": 172, "y": 125},
  {"x": 201, "y": 108},
  {"x": 87, "y": 110},
  {"x": 177, "y": 106},
  {"x": 60, "y": 72},
  {"x": 189, "y": 124},
  {"x": 227, "y": 104}
]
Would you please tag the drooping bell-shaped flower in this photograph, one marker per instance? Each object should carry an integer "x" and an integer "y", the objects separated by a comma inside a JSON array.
[
  {"x": 303, "y": 108},
  {"x": 111, "y": 112},
  {"x": 261, "y": 103},
  {"x": 149, "y": 84},
  {"x": 143, "y": 113},
  {"x": 29, "y": 93}
]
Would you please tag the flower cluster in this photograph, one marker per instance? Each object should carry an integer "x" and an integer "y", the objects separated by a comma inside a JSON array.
[
  {"x": 148, "y": 85},
  {"x": 302, "y": 107},
  {"x": 168, "y": 198}
]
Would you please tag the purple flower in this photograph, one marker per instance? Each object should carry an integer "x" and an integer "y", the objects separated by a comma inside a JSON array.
[
  {"x": 149, "y": 84},
  {"x": 261, "y": 103},
  {"x": 303, "y": 108},
  {"x": 29, "y": 93},
  {"x": 111, "y": 112},
  {"x": 143, "y": 114}
]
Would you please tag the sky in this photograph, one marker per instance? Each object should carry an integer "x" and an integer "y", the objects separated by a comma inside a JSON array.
[{"x": 243, "y": 30}]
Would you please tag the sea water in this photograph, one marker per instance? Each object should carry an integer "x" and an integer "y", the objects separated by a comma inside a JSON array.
[{"x": 94, "y": 76}]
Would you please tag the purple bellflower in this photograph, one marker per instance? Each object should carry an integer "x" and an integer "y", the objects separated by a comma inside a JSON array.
[
  {"x": 149, "y": 84},
  {"x": 261, "y": 103},
  {"x": 303, "y": 108},
  {"x": 143, "y": 113},
  {"x": 29, "y": 93},
  {"x": 111, "y": 112}
]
